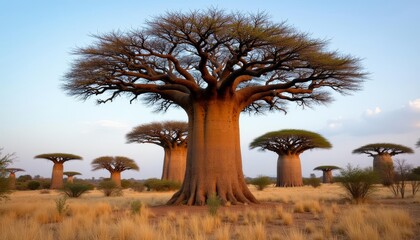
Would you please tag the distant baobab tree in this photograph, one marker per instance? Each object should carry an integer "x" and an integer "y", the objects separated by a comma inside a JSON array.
[
  {"x": 327, "y": 172},
  {"x": 418, "y": 143},
  {"x": 12, "y": 176},
  {"x": 172, "y": 137},
  {"x": 57, "y": 173},
  {"x": 214, "y": 65},
  {"x": 382, "y": 157},
  {"x": 70, "y": 176},
  {"x": 289, "y": 144},
  {"x": 115, "y": 165}
]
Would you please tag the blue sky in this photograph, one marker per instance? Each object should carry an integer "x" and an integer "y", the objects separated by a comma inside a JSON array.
[{"x": 37, "y": 117}]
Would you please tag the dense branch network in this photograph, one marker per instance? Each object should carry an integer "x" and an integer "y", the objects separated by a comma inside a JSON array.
[
  {"x": 59, "y": 157},
  {"x": 382, "y": 148},
  {"x": 114, "y": 164},
  {"x": 202, "y": 54}
]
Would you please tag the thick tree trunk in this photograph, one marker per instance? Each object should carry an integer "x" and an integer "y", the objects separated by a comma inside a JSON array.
[
  {"x": 327, "y": 176},
  {"x": 214, "y": 163},
  {"x": 289, "y": 171},
  {"x": 384, "y": 166},
  {"x": 57, "y": 176},
  {"x": 177, "y": 163},
  {"x": 70, "y": 179},
  {"x": 116, "y": 177},
  {"x": 166, "y": 158},
  {"x": 12, "y": 181}
]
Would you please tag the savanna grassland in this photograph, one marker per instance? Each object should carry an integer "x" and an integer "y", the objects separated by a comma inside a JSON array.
[{"x": 284, "y": 213}]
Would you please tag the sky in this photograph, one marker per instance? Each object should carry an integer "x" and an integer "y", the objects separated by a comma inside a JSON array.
[{"x": 38, "y": 37}]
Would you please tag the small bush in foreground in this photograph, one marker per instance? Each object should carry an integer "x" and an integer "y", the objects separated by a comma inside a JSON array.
[
  {"x": 110, "y": 188},
  {"x": 75, "y": 190},
  {"x": 261, "y": 182},
  {"x": 158, "y": 185},
  {"x": 358, "y": 183},
  {"x": 136, "y": 207},
  {"x": 61, "y": 205},
  {"x": 33, "y": 185},
  {"x": 213, "y": 204}
]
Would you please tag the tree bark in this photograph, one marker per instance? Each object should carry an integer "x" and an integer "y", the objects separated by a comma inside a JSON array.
[
  {"x": 12, "y": 181},
  {"x": 70, "y": 179},
  {"x": 214, "y": 163},
  {"x": 176, "y": 163},
  {"x": 57, "y": 176},
  {"x": 327, "y": 176},
  {"x": 289, "y": 171},
  {"x": 384, "y": 166},
  {"x": 166, "y": 158},
  {"x": 116, "y": 177}
]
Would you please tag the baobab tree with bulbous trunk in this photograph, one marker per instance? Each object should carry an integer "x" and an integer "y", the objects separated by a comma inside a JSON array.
[
  {"x": 172, "y": 137},
  {"x": 289, "y": 144},
  {"x": 70, "y": 176},
  {"x": 57, "y": 173},
  {"x": 327, "y": 172},
  {"x": 12, "y": 176},
  {"x": 115, "y": 165},
  {"x": 214, "y": 65},
  {"x": 382, "y": 157}
]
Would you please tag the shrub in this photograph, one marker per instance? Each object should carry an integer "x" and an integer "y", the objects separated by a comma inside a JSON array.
[
  {"x": 33, "y": 185},
  {"x": 61, "y": 205},
  {"x": 125, "y": 183},
  {"x": 110, "y": 188},
  {"x": 358, "y": 183},
  {"x": 213, "y": 204},
  {"x": 261, "y": 182},
  {"x": 158, "y": 185},
  {"x": 313, "y": 181},
  {"x": 75, "y": 190},
  {"x": 137, "y": 186},
  {"x": 136, "y": 207}
]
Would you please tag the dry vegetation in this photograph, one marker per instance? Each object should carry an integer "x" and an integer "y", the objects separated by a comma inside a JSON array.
[{"x": 285, "y": 213}]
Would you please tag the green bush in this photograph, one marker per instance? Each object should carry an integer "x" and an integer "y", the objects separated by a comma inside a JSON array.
[
  {"x": 61, "y": 205},
  {"x": 158, "y": 185},
  {"x": 75, "y": 190},
  {"x": 137, "y": 186},
  {"x": 358, "y": 183},
  {"x": 261, "y": 182},
  {"x": 33, "y": 185},
  {"x": 213, "y": 204},
  {"x": 110, "y": 188},
  {"x": 313, "y": 181},
  {"x": 136, "y": 207}
]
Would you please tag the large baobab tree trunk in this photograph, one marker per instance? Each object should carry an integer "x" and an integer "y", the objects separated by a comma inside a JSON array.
[
  {"x": 57, "y": 176},
  {"x": 177, "y": 163},
  {"x": 116, "y": 177},
  {"x": 214, "y": 164},
  {"x": 289, "y": 171},
  {"x": 12, "y": 180},
  {"x": 327, "y": 176},
  {"x": 70, "y": 179},
  {"x": 384, "y": 166},
  {"x": 166, "y": 158}
]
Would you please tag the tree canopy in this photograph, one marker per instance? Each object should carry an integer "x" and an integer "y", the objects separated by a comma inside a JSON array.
[
  {"x": 179, "y": 56},
  {"x": 59, "y": 157},
  {"x": 71, "y": 173},
  {"x": 290, "y": 141},
  {"x": 327, "y": 167},
  {"x": 382, "y": 148},
  {"x": 13, "y": 170},
  {"x": 114, "y": 164},
  {"x": 164, "y": 134}
]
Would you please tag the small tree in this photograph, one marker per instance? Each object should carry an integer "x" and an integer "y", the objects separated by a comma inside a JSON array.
[
  {"x": 289, "y": 144},
  {"x": 327, "y": 172},
  {"x": 382, "y": 158},
  {"x": 415, "y": 180},
  {"x": 5, "y": 160},
  {"x": 57, "y": 173},
  {"x": 172, "y": 137},
  {"x": 401, "y": 177},
  {"x": 70, "y": 176},
  {"x": 261, "y": 182},
  {"x": 115, "y": 165},
  {"x": 358, "y": 183},
  {"x": 109, "y": 188}
]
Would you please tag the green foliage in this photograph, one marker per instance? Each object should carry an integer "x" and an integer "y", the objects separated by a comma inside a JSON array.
[
  {"x": 117, "y": 163},
  {"x": 313, "y": 181},
  {"x": 261, "y": 182},
  {"x": 33, "y": 185},
  {"x": 110, "y": 188},
  {"x": 213, "y": 204},
  {"x": 136, "y": 207},
  {"x": 75, "y": 190},
  {"x": 327, "y": 167},
  {"x": 358, "y": 183},
  {"x": 125, "y": 183},
  {"x": 61, "y": 205},
  {"x": 24, "y": 178},
  {"x": 137, "y": 186},
  {"x": 416, "y": 171},
  {"x": 382, "y": 148},
  {"x": 154, "y": 184}
]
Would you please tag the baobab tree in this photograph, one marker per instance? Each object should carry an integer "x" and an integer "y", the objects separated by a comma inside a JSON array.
[
  {"x": 214, "y": 65},
  {"x": 12, "y": 176},
  {"x": 115, "y": 165},
  {"x": 172, "y": 137},
  {"x": 70, "y": 176},
  {"x": 57, "y": 173},
  {"x": 418, "y": 143},
  {"x": 289, "y": 144},
  {"x": 327, "y": 172},
  {"x": 382, "y": 157}
]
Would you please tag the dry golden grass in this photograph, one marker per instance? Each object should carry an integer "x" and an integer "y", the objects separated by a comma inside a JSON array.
[{"x": 292, "y": 213}]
